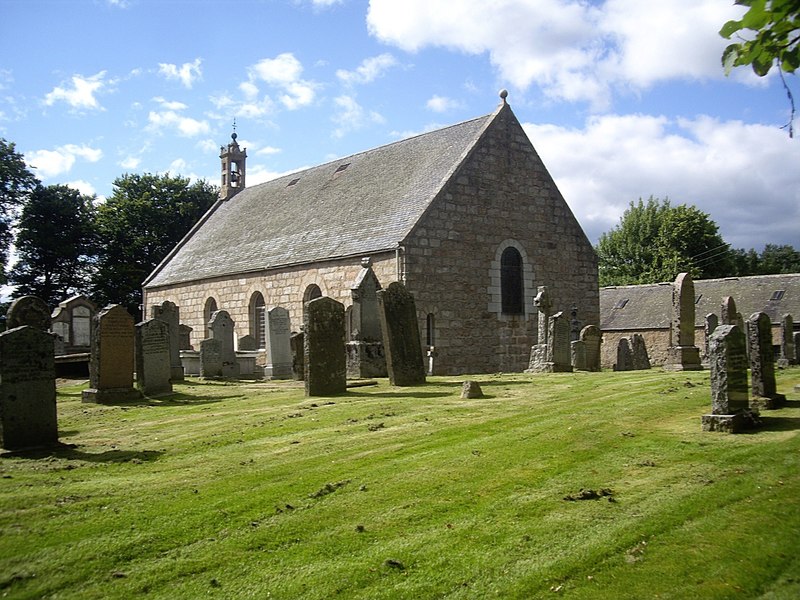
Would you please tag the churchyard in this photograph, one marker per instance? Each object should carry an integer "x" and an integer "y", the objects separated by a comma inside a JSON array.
[{"x": 574, "y": 485}]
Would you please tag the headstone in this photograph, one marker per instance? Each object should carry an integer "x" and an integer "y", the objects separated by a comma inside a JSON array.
[
  {"x": 471, "y": 389},
  {"x": 153, "y": 352},
  {"x": 401, "y": 341},
  {"x": 578, "y": 351},
  {"x": 297, "y": 343},
  {"x": 728, "y": 313},
  {"x": 730, "y": 408},
  {"x": 558, "y": 344},
  {"x": 27, "y": 389},
  {"x": 211, "y": 358},
  {"x": 112, "y": 360},
  {"x": 325, "y": 363},
  {"x": 220, "y": 327},
  {"x": 28, "y": 310},
  {"x": 247, "y": 343},
  {"x": 574, "y": 325},
  {"x": 682, "y": 354},
  {"x": 279, "y": 350},
  {"x": 545, "y": 305},
  {"x": 169, "y": 313},
  {"x": 185, "y": 337},
  {"x": 639, "y": 358},
  {"x": 796, "y": 337},
  {"x": 787, "y": 342},
  {"x": 710, "y": 324},
  {"x": 365, "y": 354},
  {"x": 591, "y": 337},
  {"x": 624, "y": 356},
  {"x": 762, "y": 363}
]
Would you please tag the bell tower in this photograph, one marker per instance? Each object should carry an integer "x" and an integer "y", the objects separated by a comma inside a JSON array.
[{"x": 233, "y": 167}]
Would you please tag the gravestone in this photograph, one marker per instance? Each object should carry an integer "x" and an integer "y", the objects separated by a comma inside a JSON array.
[
  {"x": 682, "y": 354},
  {"x": 28, "y": 310},
  {"x": 796, "y": 337},
  {"x": 279, "y": 349},
  {"x": 639, "y": 358},
  {"x": 211, "y": 358},
  {"x": 401, "y": 341},
  {"x": 112, "y": 361},
  {"x": 787, "y": 342},
  {"x": 365, "y": 354},
  {"x": 471, "y": 389},
  {"x": 728, "y": 313},
  {"x": 578, "y": 352},
  {"x": 592, "y": 338},
  {"x": 220, "y": 327},
  {"x": 544, "y": 304},
  {"x": 762, "y": 363},
  {"x": 558, "y": 349},
  {"x": 730, "y": 407},
  {"x": 711, "y": 322},
  {"x": 153, "y": 352},
  {"x": 247, "y": 343},
  {"x": 169, "y": 313},
  {"x": 297, "y": 343},
  {"x": 28, "y": 416},
  {"x": 324, "y": 354},
  {"x": 185, "y": 337},
  {"x": 574, "y": 325},
  {"x": 624, "y": 356}
]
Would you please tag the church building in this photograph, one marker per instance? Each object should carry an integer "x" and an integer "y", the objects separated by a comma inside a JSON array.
[{"x": 467, "y": 217}]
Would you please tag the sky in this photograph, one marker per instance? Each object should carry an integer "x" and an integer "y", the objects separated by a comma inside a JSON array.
[{"x": 622, "y": 99}]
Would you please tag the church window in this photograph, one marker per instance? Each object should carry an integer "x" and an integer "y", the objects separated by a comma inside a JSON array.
[
  {"x": 511, "y": 282},
  {"x": 258, "y": 315},
  {"x": 209, "y": 309}
]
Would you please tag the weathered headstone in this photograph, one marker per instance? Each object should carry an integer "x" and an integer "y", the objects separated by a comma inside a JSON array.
[
  {"x": 220, "y": 327},
  {"x": 787, "y": 342},
  {"x": 297, "y": 343},
  {"x": 711, "y": 322},
  {"x": 796, "y": 337},
  {"x": 592, "y": 338},
  {"x": 624, "y": 356},
  {"x": 211, "y": 358},
  {"x": 169, "y": 313},
  {"x": 574, "y": 325},
  {"x": 279, "y": 350},
  {"x": 401, "y": 341},
  {"x": 325, "y": 363},
  {"x": 728, "y": 313},
  {"x": 682, "y": 354},
  {"x": 247, "y": 343},
  {"x": 578, "y": 351},
  {"x": 543, "y": 303},
  {"x": 112, "y": 360},
  {"x": 365, "y": 354},
  {"x": 471, "y": 389},
  {"x": 27, "y": 389},
  {"x": 558, "y": 352},
  {"x": 185, "y": 337},
  {"x": 730, "y": 407},
  {"x": 153, "y": 351},
  {"x": 639, "y": 358},
  {"x": 28, "y": 310},
  {"x": 762, "y": 363}
]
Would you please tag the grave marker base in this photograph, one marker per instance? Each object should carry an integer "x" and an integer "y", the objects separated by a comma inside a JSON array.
[
  {"x": 735, "y": 423},
  {"x": 111, "y": 395}
]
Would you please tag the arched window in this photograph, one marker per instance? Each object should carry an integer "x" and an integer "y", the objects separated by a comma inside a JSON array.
[
  {"x": 209, "y": 309},
  {"x": 258, "y": 316},
  {"x": 512, "y": 292},
  {"x": 312, "y": 292}
]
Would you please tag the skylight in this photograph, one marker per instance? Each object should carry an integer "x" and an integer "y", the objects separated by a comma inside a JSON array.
[
  {"x": 777, "y": 295},
  {"x": 293, "y": 182},
  {"x": 621, "y": 303}
]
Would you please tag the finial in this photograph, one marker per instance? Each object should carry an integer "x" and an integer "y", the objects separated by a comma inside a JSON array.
[
  {"x": 366, "y": 262},
  {"x": 504, "y": 95},
  {"x": 233, "y": 135}
]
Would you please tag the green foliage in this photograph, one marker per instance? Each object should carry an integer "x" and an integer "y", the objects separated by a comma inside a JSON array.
[
  {"x": 16, "y": 182},
  {"x": 137, "y": 226},
  {"x": 773, "y": 260},
  {"x": 56, "y": 244},
  {"x": 655, "y": 241}
]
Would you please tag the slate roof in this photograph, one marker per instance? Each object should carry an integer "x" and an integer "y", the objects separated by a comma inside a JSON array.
[
  {"x": 369, "y": 206},
  {"x": 650, "y": 306}
]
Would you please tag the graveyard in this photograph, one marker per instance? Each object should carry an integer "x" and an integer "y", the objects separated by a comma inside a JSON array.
[{"x": 575, "y": 485}]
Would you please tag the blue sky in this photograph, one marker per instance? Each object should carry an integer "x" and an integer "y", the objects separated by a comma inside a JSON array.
[{"x": 621, "y": 98}]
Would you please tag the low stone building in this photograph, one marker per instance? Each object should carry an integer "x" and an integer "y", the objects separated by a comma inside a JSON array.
[
  {"x": 467, "y": 217},
  {"x": 645, "y": 309}
]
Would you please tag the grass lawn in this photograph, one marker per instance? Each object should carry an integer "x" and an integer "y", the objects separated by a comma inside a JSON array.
[{"x": 251, "y": 490}]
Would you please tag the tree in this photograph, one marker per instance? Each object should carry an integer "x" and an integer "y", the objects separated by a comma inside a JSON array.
[
  {"x": 655, "y": 241},
  {"x": 775, "y": 29},
  {"x": 137, "y": 226},
  {"x": 56, "y": 244},
  {"x": 16, "y": 182},
  {"x": 773, "y": 260}
]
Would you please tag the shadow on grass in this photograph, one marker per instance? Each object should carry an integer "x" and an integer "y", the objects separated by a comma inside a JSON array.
[
  {"x": 71, "y": 452},
  {"x": 777, "y": 423},
  {"x": 175, "y": 399},
  {"x": 409, "y": 394}
]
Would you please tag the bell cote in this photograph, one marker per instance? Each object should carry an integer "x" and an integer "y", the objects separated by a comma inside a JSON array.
[{"x": 233, "y": 168}]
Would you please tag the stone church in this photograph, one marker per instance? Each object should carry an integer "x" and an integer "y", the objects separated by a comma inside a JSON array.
[{"x": 467, "y": 217}]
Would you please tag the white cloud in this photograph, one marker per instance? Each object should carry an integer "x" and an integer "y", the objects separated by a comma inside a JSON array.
[
  {"x": 325, "y": 3},
  {"x": 130, "y": 163},
  {"x": 169, "y": 104},
  {"x": 352, "y": 116},
  {"x": 84, "y": 187},
  {"x": 170, "y": 118},
  {"x": 442, "y": 104},
  {"x": 744, "y": 176},
  {"x": 369, "y": 69},
  {"x": 82, "y": 93},
  {"x": 187, "y": 73},
  {"x": 259, "y": 174},
  {"x": 284, "y": 73},
  {"x": 268, "y": 151},
  {"x": 49, "y": 163},
  {"x": 573, "y": 50}
]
